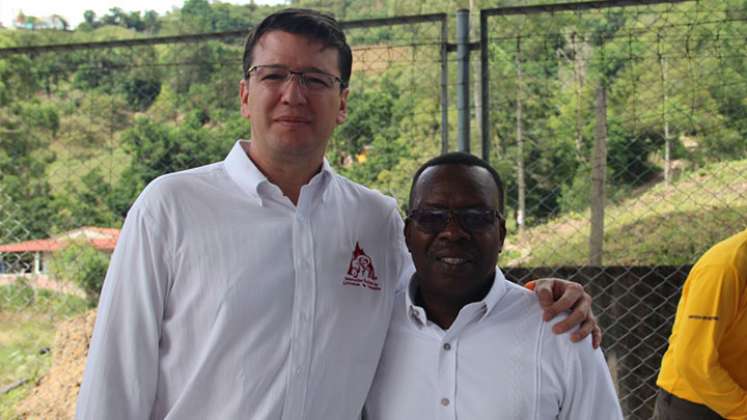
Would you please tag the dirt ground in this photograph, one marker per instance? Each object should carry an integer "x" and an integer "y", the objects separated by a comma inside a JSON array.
[{"x": 54, "y": 396}]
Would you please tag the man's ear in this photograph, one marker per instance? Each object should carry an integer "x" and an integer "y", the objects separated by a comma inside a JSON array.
[
  {"x": 244, "y": 98},
  {"x": 501, "y": 234},
  {"x": 342, "y": 112},
  {"x": 406, "y": 231}
]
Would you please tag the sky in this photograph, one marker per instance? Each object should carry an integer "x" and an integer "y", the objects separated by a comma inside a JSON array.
[{"x": 72, "y": 10}]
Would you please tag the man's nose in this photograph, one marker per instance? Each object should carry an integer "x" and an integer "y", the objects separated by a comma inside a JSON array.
[
  {"x": 293, "y": 92},
  {"x": 453, "y": 230}
]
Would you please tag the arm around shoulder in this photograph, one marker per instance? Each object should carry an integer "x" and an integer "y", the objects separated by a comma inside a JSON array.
[{"x": 557, "y": 296}]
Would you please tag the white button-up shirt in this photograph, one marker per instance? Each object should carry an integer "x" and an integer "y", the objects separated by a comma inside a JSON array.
[
  {"x": 223, "y": 300},
  {"x": 498, "y": 360}
]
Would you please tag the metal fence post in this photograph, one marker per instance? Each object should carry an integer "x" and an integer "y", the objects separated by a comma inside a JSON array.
[
  {"x": 444, "y": 85},
  {"x": 463, "y": 117},
  {"x": 484, "y": 87}
]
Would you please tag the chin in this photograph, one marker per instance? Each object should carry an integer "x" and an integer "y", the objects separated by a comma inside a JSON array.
[
  {"x": 454, "y": 280},
  {"x": 298, "y": 145}
]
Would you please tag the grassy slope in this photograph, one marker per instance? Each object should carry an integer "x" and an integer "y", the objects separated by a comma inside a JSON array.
[
  {"x": 659, "y": 226},
  {"x": 28, "y": 320}
]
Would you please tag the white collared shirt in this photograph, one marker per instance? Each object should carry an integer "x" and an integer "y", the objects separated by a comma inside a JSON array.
[
  {"x": 223, "y": 300},
  {"x": 499, "y": 360}
]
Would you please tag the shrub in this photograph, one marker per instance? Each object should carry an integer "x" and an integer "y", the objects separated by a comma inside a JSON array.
[{"x": 80, "y": 263}]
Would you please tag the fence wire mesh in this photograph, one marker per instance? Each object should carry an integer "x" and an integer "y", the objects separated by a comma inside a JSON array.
[
  {"x": 616, "y": 127},
  {"x": 83, "y": 130}
]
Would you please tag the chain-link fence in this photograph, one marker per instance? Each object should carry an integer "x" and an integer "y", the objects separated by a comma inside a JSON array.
[
  {"x": 623, "y": 122},
  {"x": 613, "y": 127},
  {"x": 618, "y": 132}
]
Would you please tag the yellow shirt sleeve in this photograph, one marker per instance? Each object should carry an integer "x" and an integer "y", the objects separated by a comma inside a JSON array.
[{"x": 710, "y": 307}]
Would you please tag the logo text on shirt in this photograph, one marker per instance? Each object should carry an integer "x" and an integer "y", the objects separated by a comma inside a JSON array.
[
  {"x": 361, "y": 271},
  {"x": 704, "y": 317}
]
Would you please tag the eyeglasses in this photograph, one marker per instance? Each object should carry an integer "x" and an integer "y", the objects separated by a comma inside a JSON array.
[
  {"x": 274, "y": 76},
  {"x": 472, "y": 219}
]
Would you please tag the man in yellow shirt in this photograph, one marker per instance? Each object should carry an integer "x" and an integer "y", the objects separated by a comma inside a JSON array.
[{"x": 704, "y": 371}]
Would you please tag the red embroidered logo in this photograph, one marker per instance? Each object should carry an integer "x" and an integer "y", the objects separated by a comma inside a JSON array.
[{"x": 361, "y": 271}]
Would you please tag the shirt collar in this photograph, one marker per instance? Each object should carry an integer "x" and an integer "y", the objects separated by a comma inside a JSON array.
[
  {"x": 242, "y": 170},
  {"x": 326, "y": 175},
  {"x": 417, "y": 314},
  {"x": 414, "y": 312}
]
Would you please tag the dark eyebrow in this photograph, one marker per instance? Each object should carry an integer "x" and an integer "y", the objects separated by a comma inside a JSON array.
[
  {"x": 424, "y": 204},
  {"x": 280, "y": 66},
  {"x": 302, "y": 69},
  {"x": 316, "y": 70}
]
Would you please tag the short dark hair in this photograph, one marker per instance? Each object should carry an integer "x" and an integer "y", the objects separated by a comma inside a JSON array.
[
  {"x": 458, "y": 158},
  {"x": 310, "y": 23}
]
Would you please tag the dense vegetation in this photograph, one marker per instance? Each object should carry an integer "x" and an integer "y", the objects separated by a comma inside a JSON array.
[{"x": 82, "y": 131}]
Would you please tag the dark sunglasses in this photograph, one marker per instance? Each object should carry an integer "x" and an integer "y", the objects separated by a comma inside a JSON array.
[{"x": 472, "y": 219}]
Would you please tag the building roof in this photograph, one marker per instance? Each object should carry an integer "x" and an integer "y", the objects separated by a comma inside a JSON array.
[{"x": 103, "y": 239}]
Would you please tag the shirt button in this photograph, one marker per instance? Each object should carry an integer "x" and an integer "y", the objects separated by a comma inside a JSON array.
[
  {"x": 444, "y": 401},
  {"x": 447, "y": 346}
]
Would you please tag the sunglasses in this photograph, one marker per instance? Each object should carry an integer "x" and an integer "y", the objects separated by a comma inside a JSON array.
[{"x": 472, "y": 219}]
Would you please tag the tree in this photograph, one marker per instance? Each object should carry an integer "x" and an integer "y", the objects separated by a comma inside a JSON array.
[
  {"x": 25, "y": 130},
  {"x": 520, "y": 181},
  {"x": 83, "y": 265},
  {"x": 89, "y": 18},
  {"x": 598, "y": 172},
  {"x": 94, "y": 203},
  {"x": 198, "y": 16},
  {"x": 151, "y": 24},
  {"x": 158, "y": 148},
  {"x": 379, "y": 127},
  {"x": 531, "y": 158}
]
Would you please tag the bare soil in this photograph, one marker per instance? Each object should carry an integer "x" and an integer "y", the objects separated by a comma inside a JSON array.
[{"x": 56, "y": 393}]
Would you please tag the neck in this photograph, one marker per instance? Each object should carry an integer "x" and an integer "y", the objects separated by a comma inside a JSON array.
[
  {"x": 442, "y": 307},
  {"x": 289, "y": 175}
]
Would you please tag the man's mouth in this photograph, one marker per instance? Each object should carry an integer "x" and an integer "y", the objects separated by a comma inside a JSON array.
[
  {"x": 293, "y": 120},
  {"x": 452, "y": 260}
]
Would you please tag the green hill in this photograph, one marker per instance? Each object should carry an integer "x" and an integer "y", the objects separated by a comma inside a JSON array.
[{"x": 661, "y": 225}]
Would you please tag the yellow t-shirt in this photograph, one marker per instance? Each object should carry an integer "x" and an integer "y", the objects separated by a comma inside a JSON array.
[{"x": 706, "y": 361}]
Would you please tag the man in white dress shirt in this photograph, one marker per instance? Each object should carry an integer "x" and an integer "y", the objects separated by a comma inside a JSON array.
[
  {"x": 262, "y": 286},
  {"x": 465, "y": 343}
]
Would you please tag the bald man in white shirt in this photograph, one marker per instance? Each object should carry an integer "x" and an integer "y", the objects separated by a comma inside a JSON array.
[{"x": 465, "y": 343}]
